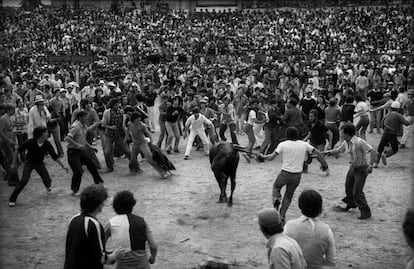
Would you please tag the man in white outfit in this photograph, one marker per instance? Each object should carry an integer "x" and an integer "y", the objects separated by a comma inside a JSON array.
[
  {"x": 196, "y": 125},
  {"x": 38, "y": 115}
]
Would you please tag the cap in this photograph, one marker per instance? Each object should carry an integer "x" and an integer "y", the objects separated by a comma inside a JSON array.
[
  {"x": 134, "y": 84},
  {"x": 63, "y": 90},
  {"x": 38, "y": 99},
  {"x": 395, "y": 104},
  {"x": 101, "y": 82},
  {"x": 269, "y": 217},
  {"x": 73, "y": 84},
  {"x": 111, "y": 84}
]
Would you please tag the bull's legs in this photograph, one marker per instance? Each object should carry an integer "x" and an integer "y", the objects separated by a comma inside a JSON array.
[
  {"x": 233, "y": 186},
  {"x": 222, "y": 184}
]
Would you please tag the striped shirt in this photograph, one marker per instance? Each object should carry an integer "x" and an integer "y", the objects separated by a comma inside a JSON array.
[
  {"x": 20, "y": 120},
  {"x": 357, "y": 149}
]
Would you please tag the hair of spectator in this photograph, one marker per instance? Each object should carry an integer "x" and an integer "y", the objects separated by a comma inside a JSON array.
[
  {"x": 332, "y": 102},
  {"x": 349, "y": 99},
  {"x": 272, "y": 230},
  {"x": 314, "y": 112},
  {"x": 84, "y": 102},
  {"x": 38, "y": 131},
  {"x": 349, "y": 129},
  {"x": 408, "y": 227},
  {"x": 358, "y": 98},
  {"x": 134, "y": 116},
  {"x": 80, "y": 114},
  {"x": 123, "y": 202},
  {"x": 113, "y": 102},
  {"x": 293, "y": 101},
  {"x": 92, "y": 197},
  {"x": 292, "y": 133},
  {"x": 310, "y": 203}
]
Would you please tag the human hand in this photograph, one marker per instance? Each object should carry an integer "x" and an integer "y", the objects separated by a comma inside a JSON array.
[
  {"x": 369, "y": 170},
  {"x": 326, "y": 153},
  {"x": 66, "y": 169},
  {"x": 119, "y": 253}
]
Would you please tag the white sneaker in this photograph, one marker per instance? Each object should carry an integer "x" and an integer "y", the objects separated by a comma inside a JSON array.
[
  {"x": 12, "y": 204},
  {"x": 75, "y": 194},
  {"x": 49, "y": 189}
]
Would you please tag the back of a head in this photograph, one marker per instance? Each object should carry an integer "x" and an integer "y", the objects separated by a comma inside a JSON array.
[
  {"x": 408, "y": 227},
  {"x": 332, "y": 102},
  {"x": 349, "y": 129},
  {"x": 292, "y": 133},
  {"x": 310, "y": 203},
  {"x": 123, "y": 202},
  {"x": 293, "y": 101},
  {"x": 92, "y": 197},
  {"x": 358, "y": 98},
  {"x": 270, "y": 221},
  {"x": 349, "y": 99}
]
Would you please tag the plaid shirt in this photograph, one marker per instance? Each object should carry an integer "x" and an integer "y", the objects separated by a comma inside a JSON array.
[{"x": 20, "y": 120}]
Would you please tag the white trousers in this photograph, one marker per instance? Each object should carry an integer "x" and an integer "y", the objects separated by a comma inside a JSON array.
[
  {"x": 193, "y": 133},
  {"x": 151, "y": 118},
  {"x": 407, "y": 130}
]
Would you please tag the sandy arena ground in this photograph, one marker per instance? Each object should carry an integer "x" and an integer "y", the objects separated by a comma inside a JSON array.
[{"x": 189, "y": 225}]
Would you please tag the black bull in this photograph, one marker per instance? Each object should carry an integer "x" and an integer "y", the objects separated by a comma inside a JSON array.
[{"x": 224, "y": 159}]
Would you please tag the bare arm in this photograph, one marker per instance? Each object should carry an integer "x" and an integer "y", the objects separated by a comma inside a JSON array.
[
  {"x": 270, "y": 156},
  {"x": 153, "y": 246}
]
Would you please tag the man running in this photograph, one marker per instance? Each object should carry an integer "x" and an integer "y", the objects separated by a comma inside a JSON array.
[{"x": 293, "y": 153}]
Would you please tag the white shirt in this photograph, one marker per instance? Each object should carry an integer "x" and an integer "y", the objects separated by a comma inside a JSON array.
[
  {"x": 36, "y": 119},
  {"x": 315, "y": 239},
  {"x": 293, "y": 154},
  {"x": 251, "y": 117},
  {"x": 361, "y": 109},
  {"x": 284, "y": 252},
  {"x": 197, "y": 124}
]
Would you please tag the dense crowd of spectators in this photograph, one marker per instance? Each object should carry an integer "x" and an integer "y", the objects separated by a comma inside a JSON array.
[
  {"x": 40, "y": 32},
  {"x": 250, "y": 73}
]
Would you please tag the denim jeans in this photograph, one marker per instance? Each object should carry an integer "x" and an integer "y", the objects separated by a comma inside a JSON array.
[
  {"x": 232, "y": 128},
  {"x": 250, "y": 135},
  {"x": 145, "y": 152},
  {"x": 354, "y": 185},
  {"x": 27, "y": 170},
  {"x": 291, "y": 181},
  {"x": 77, "y": 158},
  {"x": 8, "y": 156},
  {"x": 362, "y": 126},
  {"x": 270, "y": 137},
  {"x": 335, "y": 132},
  {"x": 163, "y": 133},
  {"x": 387, "y": 139},
  {"x": 110, "y": 142},
  {"x": 376, "y": 118},
  {"x": 173, "y": 132},
  {"x": 55, "y": 132}
]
